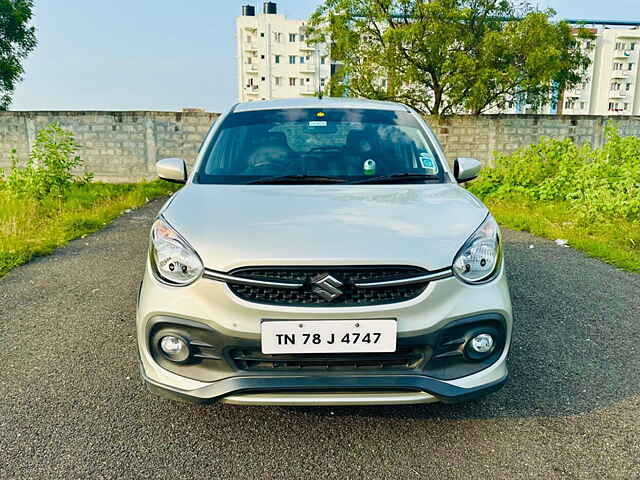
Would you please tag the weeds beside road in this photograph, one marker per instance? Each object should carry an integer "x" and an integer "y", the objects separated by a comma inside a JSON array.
[
  {"x": 44, "y": 205},
  {"x": 30, "y": 227},
  {"x": 560, "y": 190}
]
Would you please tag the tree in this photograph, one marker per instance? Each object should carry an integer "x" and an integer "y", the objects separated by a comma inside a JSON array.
[
  {"x": 449, "y": 56},
  {"x": 17, "y": 40}
]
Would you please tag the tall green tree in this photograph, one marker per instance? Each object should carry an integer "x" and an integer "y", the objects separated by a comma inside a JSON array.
[
  {"x": 17, "y": 40},
  {"x": 449, "y": 56}
]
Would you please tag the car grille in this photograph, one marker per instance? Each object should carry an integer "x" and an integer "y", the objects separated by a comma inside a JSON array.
[
  {"x": 348, "y": 276},
  {"x": 407, "y": 359}
]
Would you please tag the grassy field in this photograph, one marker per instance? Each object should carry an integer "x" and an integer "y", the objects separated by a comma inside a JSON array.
[
  {"x": 613, "y": 240},
  {"x": 29, "y": 228}
]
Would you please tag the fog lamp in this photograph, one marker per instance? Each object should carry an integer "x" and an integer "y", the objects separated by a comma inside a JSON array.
[
  {"x": 175, "y": 348},
  {"x": 482, "y": 343}
]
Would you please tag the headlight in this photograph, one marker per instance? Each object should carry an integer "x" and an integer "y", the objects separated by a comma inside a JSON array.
[
  {"x": 480, "y": 256},
  {"x": 173, "y": 259}
]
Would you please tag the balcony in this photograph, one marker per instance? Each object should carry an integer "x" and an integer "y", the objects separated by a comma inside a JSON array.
[
  {"x": 252, "y": 90},
  {"x": 250, "y": 47},
  {"x": 307, "y": 68},
  {"x": 618, "y": 94},
  {"x": 308, "y": 90},
  {"x": 251, "y": 67},
  {"x": 620, "y": 74},
  {"x": 307, "y": 48},
  {"x": 621, "y": 54}
]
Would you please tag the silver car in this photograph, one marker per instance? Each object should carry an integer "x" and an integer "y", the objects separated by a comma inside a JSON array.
[{"x": 322, "y": 252}]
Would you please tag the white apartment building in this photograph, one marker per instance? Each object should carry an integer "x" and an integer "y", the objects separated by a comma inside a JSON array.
[
  {"x": 611, "y": 83},
  {"x": 274, "y": 59}
]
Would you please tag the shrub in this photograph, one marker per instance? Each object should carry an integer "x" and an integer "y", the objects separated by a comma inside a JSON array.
[
  {"x": 48, "y": 170},
  {"x": 595, "y": 182}
]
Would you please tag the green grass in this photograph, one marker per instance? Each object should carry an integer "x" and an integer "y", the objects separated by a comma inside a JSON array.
[
  {"x": 30, "y": 228},
  {"x": 613, "y": 240}
]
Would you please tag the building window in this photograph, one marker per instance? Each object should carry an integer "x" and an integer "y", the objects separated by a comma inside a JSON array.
[
  {"x": 323, "y": 82},
  {"x": 632, "y": 46},
  {"x": 261, "y": 57},
  {"x": 301, "y": 60},
  {"x": 248, "y": 38},
  {"x": 617, "y": 66},
  {"x": 630, "y": 66},
  {"x": 323, "y": 60},
  {"x": 263, "y": 79},
  {"x": 292, "y": 37},
  {"x": 615, "y": 86},
  {"x": 628, "y": 87},
  {"x": 278, "y": 81},
  {"x": 302, "y": 37},
  {"x": 277, "y": 36},
  {"x": 292, "y": 82},
  {"x": 277, "y": 58},
  {"x": 582, "y": 105},
  {"x": 626, "y": 107},
  {"x": 292, "y": 60}
]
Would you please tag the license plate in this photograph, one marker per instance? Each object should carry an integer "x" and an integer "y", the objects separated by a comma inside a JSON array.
[{"x": 328, "y": 336}]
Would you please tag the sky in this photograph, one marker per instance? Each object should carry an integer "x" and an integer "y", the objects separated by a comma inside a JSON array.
[{"x": 167, "y": 54}]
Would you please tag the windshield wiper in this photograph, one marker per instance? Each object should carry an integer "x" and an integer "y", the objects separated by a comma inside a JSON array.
[
  {"x": 296, "y": 179},
  {"x": 398, "y": 177}
]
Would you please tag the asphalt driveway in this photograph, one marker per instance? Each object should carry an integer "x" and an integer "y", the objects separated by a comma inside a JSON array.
[{"x": 72, "y": 405}]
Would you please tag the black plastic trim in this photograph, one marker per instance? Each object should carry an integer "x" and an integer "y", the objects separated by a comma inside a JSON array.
[{"x": 443, "y": 391}]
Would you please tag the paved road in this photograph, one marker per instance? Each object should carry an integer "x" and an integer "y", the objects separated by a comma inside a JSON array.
[{"x": 71, "y": 403}]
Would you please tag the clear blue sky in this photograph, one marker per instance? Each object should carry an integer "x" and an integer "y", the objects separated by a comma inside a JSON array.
[{"x": 166, "y": 54}]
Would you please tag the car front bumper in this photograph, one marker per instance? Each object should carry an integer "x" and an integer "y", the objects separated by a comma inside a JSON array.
[{"x": 231, "y": 321}]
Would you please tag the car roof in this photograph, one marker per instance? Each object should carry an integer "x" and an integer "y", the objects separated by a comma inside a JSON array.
[{"x": 326, "y": 102}]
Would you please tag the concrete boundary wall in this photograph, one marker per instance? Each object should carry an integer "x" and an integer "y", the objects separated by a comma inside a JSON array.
[
  {"x": 115, "y": 146},
  {"x": 124, "y": 146},
  {"x": 479, "y": 137}
]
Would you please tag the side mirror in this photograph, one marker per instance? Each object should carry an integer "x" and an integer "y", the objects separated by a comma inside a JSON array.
[
  {"x": 465, "y": 169},
  {"x": 172, "y": 170}
]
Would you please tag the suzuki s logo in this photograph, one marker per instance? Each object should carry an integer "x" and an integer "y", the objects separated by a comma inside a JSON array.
[{"x": 325, "y": 286}]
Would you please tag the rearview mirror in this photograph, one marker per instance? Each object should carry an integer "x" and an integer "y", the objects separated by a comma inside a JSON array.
[
  {"x": 172, "y": 170},
  {"x": 465, "y": 169}
]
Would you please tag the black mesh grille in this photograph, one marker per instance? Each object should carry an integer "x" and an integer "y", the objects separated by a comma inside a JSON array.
[
  {"x": 348, "y": 276},
  {"x": 405, "y": 359}
]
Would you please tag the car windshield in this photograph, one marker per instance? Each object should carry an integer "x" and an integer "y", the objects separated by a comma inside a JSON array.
[{"x": 320, "y": 146}]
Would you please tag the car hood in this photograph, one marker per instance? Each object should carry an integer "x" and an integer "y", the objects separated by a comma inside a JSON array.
[{"x": 250, "y": 225}]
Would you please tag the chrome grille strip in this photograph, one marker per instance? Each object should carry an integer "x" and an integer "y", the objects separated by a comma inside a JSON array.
[
  {"x": 406, "y": 281},
  {"x": 223, "y": 277}
]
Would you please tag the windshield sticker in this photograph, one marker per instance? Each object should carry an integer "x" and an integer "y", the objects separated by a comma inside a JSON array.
[
  {"x": 317, "y": 123},
  {"x": 369, "y": 167},
  {"x": 427, "y": 162}
]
